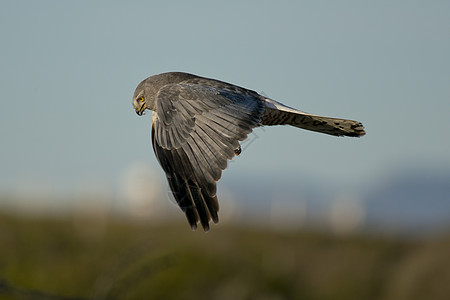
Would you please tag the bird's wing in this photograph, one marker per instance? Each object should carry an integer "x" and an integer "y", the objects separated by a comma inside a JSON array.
[{"x": 195, "y": 131}]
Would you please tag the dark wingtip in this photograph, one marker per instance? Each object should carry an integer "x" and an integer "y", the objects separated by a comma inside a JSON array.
[
  {"x": 204, "y": 222},
  {"x": 215, "y": 218},
  {"x": 191, "y": 217},
  {"x": 206, "y": 227}
]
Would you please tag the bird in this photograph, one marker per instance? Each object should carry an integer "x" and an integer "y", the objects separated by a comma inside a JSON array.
[{"x": 197, "y": 124}]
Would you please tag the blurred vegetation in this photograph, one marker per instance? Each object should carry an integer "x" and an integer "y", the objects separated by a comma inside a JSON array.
[{"x": 109, "y": 258}]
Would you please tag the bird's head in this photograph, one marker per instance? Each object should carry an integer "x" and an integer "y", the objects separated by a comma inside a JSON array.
[
  {"x": 145, "y": 95},
  {"x": 140, "y": 100},
  {"x": 146, "y": 92}
]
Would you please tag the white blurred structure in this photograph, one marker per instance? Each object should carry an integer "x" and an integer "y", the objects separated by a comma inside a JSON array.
[
  {"x": 346, "y": 213},
  {"x": 144, "y": 194}
]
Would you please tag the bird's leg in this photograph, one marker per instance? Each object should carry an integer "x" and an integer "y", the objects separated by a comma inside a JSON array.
[{"x": 238, "y": 150}]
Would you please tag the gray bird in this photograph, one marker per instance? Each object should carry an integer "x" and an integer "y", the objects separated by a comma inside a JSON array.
[{"x": 197, "y": 124}]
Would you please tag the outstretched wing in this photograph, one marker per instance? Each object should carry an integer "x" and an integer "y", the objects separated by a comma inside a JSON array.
[{"x": 196, "y": 129}]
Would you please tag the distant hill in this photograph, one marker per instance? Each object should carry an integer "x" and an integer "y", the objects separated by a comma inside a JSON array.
[{"x": 412, "y": 201}]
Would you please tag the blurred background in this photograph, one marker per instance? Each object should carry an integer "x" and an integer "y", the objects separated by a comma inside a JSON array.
[{"x": 80, "y": 185}]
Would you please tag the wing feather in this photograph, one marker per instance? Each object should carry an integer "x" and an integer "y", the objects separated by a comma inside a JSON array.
[
  {"x": 196, "y": 128},
  {"x": 222, "y": 143},
  {"x": 224, "y": 131},
  {"x": 207, "y": 158},
  {"x": 215, "y": 147}
]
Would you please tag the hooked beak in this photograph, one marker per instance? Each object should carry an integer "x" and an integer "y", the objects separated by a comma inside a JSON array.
[{"x": 139, "y": 109}]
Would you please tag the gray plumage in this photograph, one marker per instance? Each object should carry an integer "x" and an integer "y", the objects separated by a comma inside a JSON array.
[{"x": 197, "y": 124}]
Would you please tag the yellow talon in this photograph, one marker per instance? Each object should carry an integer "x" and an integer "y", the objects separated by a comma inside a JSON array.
[{"x": 238, "y": 150}]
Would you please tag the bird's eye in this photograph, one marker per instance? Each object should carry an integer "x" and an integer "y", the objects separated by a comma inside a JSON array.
[{"x": 140, "y": 99}]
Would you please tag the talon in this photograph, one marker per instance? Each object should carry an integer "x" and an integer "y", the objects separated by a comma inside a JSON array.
[{"x": 238, "y": 150}]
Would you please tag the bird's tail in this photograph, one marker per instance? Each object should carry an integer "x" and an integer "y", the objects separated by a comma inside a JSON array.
[{"x": 279, "y": 114}]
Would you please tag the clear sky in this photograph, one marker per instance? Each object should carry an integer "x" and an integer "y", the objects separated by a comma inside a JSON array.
[{"x": 68, "y": 70}]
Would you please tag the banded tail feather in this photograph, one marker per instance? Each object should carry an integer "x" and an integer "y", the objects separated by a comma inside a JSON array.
[{"x": 280, "y": 114}]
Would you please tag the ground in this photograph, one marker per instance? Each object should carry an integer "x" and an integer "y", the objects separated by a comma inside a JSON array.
[{"x": 84, "y": 258}]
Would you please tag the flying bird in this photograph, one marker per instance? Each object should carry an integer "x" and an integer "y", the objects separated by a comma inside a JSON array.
[{"x": 197, "y": 124}]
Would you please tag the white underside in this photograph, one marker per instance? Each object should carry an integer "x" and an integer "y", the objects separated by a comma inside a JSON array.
[{"x": 270, "y": 103}]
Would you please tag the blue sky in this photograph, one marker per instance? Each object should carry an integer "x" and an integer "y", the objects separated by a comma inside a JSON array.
[{"x": 68, "y": 70}]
